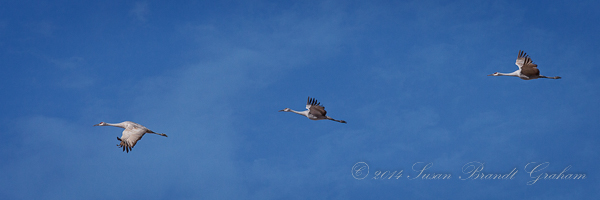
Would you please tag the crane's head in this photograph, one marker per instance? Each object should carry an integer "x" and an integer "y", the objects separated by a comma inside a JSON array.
[
  {"x": 494, "y": 74},
  {"x": 286, "y": 110},
  {"x": 101, "y": 124}
]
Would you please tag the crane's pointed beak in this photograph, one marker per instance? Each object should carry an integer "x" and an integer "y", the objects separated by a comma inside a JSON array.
[
  {"x": 281, "y": 110},
  {"x": 96, "y": 124}
]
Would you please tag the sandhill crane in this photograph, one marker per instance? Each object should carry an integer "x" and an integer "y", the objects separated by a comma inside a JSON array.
[
  {"x": 527, "y": 70},
  {"x": 314, "y": 111},
  {"x": 133, "y": 132}
]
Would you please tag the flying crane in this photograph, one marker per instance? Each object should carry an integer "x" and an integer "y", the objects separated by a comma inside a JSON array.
[
  {"x": 131, "y": 135},
  {"x": 314, "y": 111},
  {"x": 527, "y": 70}
]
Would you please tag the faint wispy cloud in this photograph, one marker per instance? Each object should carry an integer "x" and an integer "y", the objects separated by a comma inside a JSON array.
[
  {"x": 140, "y": 11},
  {"x": 44, "y": 27},
  {"x": 45, "y": 147},
  {"x": 71, "y": 73},
  {"x": 69, "y": 63},
  {"x": 201, "y": 100}
]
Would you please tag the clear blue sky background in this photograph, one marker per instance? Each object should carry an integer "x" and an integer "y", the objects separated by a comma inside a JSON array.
[{"x": 409, "y": 77}]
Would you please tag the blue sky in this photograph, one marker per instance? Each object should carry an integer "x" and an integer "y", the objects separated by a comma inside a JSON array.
[{"x": 409, "y": 77}]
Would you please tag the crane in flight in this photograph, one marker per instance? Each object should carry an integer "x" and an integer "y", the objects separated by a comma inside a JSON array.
[
  {"x": 527, "y": 70},
  {"x": 131, "y": 135},
  {"x": 314, "y": 111}
]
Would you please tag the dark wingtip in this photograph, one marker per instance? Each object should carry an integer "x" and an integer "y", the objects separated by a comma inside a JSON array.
[
  {"x": 126, "y": 149},
  {"x": 522, "y": 54}
]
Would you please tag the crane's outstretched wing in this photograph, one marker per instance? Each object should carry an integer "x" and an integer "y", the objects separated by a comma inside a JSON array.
[
  {"x": 529, "y": 69},
  {"x": 312, "y": 102},
  {"x": 526, "y": 65},
  {"x": 521, "y": 59},
  {"x": 130, "y": 137},
  {"x": 315, "y": 108}
]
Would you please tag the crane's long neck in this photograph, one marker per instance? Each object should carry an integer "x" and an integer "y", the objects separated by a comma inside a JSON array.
[
  {"x": 515, "y": 73},
  {"x": 303, "y": 113},
  {"x": 120, "y": 125}
]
